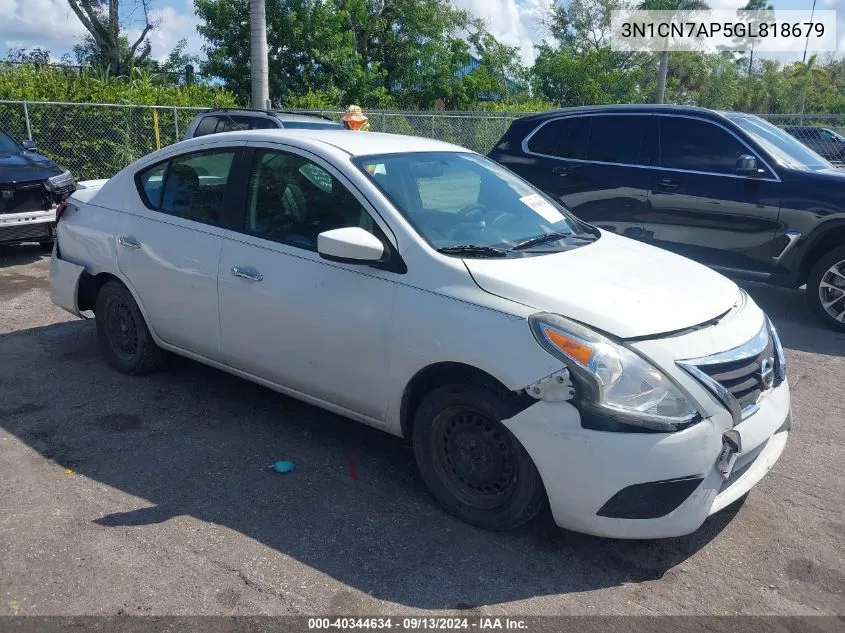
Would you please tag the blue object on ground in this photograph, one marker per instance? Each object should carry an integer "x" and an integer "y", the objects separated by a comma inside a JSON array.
[{"x": 283, "y": 466}]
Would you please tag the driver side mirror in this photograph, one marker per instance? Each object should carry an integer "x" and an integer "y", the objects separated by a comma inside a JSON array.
[
  {"x": 28, "y": 145},
  {"x": 350, "y": 245},
  {"x": 746, "y": 165}
]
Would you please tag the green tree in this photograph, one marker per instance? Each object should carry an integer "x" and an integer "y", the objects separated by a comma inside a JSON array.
[
  {"x": 105, "y": 39},
  {"x": 499, "y": 73},
  {"x": 406, "y": 53},
  {"x": 570, "y": 78}
]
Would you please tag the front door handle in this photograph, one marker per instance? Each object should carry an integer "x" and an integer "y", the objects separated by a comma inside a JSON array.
[
  {"x": 247, "y": 273},
  {"x": 560, "y": 171},
  {"x": 128, "y": 242},
  {"x": 667, "y": 184}
]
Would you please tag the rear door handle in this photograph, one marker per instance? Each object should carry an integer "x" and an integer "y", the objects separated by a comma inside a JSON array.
[
  {"x": 667, "y": 184},
  {"x": 128, "y": 242},
  {"x": 561, "y": 171},
  {"x": 247, "y": 273}
]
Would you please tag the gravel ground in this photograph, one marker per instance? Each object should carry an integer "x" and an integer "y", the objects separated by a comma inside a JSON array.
[{"x": 152, "y": 496}]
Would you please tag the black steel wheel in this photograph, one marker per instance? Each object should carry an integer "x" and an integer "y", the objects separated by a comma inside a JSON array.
[
  {"x": 471, "y": 463},
  {"x": 474, "y": 457},
  {"x": 124, "y": 337}
]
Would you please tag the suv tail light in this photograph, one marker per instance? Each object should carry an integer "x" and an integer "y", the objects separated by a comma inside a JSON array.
[{"x": 60, "y": 209}]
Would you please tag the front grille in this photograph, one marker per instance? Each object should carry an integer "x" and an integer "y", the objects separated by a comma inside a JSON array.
[
  {"x": 742, "y": 378},
  {"x": 23, "y": 197}
]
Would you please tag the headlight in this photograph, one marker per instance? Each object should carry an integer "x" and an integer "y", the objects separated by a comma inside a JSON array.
[
  {"x": 57, "y": 182},
  {"x": 615, "y": 379}
]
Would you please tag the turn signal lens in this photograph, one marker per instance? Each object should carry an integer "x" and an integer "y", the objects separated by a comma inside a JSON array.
[{"x": 569, "y": 346}]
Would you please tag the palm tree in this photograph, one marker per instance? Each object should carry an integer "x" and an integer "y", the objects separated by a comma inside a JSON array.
[
  {"x": 258, "y": 54},
  {"x": 669, "y": 5},
  {"x": 756, "y": 5}
]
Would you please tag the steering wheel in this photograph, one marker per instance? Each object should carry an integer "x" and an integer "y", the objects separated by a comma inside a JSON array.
[
  {"x": 503, "y": 218},
  {"x": 471, "y": 210}
]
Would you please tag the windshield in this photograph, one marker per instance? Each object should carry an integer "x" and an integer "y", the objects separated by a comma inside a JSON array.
[
  {"x": 457, "y": 200},
  {"x": 785, "y": 149},
  {"x": 7, "y": 145}
]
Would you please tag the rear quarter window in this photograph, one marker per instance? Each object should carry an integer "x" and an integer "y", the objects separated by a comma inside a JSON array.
[{"x": 151, "y": 182}]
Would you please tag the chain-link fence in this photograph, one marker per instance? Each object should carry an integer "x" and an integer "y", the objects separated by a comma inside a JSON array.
[
  {"x": 822, "y": 133},
  {"x": 94, "y": 140},
  {"x": 97, "y": 140}
]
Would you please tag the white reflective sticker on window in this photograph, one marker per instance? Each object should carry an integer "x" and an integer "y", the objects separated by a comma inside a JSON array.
[{"x": 542, "y": 208}]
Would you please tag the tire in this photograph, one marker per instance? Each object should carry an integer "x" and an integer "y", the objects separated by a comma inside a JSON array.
[
  {"x": 124, "y": 337},
  {"x": 470, "y": 462},
  {"x": 826, "y": 289}
]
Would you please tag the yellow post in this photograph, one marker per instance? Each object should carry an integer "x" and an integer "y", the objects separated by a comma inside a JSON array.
[{"x": 155, "y": 128}]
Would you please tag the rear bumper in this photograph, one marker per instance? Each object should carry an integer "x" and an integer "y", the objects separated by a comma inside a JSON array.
[
  {"x": 64, "y": 283},
  {"x": 29, "y": 226},
  {"x": 584, "y": 471}
]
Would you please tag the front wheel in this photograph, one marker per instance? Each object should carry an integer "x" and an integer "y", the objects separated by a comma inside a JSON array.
[
  {"x": 471, "y": 463},
  {"x": 826, "y": 289},
  {"x": 124, "y": 337}
]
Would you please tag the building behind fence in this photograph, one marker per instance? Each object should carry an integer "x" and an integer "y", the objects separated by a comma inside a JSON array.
[{"x": 97, "y": 140}]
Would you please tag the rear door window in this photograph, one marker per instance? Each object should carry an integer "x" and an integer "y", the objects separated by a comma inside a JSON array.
[
  {"x": 196, "y": 185},
  {"x": 617, "y": 139},
  {"x": 562, "y": 138},
  {"x": 192, "y": 186}
]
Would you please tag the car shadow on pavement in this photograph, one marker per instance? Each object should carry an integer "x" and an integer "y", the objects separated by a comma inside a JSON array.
[
  {"x": 798, "y": 327},
  {"x": 20, "y": 254},
  {"x": 195, "y": 441}
]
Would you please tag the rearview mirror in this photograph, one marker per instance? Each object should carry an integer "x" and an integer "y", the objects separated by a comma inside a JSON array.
[
  {"x": 746, "y": 165},
  {"x": 351, "y": 245},
  {"x": 28, "y": 145}
]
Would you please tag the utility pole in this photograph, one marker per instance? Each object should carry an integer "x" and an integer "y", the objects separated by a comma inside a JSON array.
[
  {"x": 807, "y": 43},
  {"x": 258, "y": 55}
]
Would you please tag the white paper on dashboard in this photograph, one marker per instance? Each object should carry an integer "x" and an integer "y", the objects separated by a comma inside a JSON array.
[{"x": 542, "y": 208}]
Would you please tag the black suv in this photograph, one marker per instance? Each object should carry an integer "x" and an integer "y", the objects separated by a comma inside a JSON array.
[
  {"x": 727, "y": 189},
  {"x": 234, "y": 119},
  {"x": 31, "y": 185}
]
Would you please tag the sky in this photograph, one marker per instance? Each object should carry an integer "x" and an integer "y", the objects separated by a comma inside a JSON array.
[{"x": 50, "y": 24}]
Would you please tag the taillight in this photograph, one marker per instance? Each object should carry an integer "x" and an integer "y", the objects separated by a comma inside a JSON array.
[{"x": 60, "y": 209}]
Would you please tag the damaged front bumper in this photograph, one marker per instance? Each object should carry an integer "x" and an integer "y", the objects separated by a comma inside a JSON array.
[
  {"x": 646, "y": 485},
  {"x": 28, "y": 226}
]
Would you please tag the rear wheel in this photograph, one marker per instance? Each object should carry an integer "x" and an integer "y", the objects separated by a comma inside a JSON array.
[
  {"x": 471, "y": 463},
  {"x": 124, "y": 337},
  {"x": 826, "y": 289}
]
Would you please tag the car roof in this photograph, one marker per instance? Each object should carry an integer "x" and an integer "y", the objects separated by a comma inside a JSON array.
[
  {"x": 352, "y": 143},
  {"x": 633, "y": 108},
  {"x": 283, "y": 115}
]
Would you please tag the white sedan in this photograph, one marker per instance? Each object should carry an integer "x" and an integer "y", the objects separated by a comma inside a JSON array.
[{"x": 420, "y": 288}]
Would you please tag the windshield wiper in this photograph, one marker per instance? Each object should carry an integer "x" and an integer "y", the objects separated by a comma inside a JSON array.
[
  {"x": 551, "y": 237},
  {"x": 472, "y": 249}
]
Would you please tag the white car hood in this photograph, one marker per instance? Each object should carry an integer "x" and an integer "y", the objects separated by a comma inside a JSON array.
[{"x": 615, "y": 284}]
